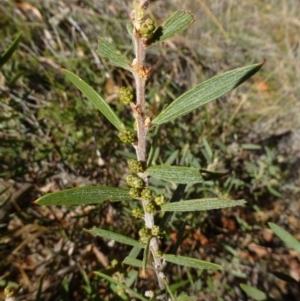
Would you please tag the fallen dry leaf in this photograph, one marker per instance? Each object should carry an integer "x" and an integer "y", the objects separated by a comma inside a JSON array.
[
  {"x": 101, "y": 257},
  {"x": 295, "y": 269},
  {"x": 30, "y": 11},
  {"x": 228, "y": 223},
  {"x": 259, "y": 250},
  {"x": 267, "y": 234},
  {"x": 200, "y": 238},
  {"x": 262, "y": 85}
]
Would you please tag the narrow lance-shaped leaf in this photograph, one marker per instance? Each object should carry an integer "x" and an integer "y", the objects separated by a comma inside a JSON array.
[
  {"x": 135, "y": 262},
  {"x": 176, "y": 24},
  {"x": 95, "y": 98},
  {"x": 175, "y": 174},
  {"x": 284, "y": 277},
  {"x": 84, "y": 195},
  {"x": 146, "y": 255},
  {"x": 115, "y": 236},
  {"x": 201, "y": 205},
  {"x": 184, "y": 297},
  {"x": 10, "y": 50},
  {"x": 191, "y": 262},
  {"x": 39, "y": 291},
  {"x": 134, "y": 253},
  {"x": 205, "y": 92},
  {"x": 130, "y": 291},
  {"x": 109, "y": 51},
  {"x": 129, "y": 27},
  {"x": 253, "y": 292},
  {"x": 131, "y": 277},
  {"x": 169, "y": 291},
  {"x": 65, "y": 289},
  {"x": 286, "y": 237}
]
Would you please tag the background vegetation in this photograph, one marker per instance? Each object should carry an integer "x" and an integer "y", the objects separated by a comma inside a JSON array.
[{"x": 51, "y": 138}]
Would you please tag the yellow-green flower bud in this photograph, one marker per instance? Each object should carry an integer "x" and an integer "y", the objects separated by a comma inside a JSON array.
[
  {"x": 137, "y": 213},
  {"x": 150, "y": 208},
  {"x": 126, "y": 136},
  {"x": 118, "y": 276},
  {"x": 135, "y": 166},
  {"x": 144, "y": 234},
  {"x": 134, "y": 181},
  {"x": 120, "y": 291},
  {"x": 135, "y": 192},
  {"x": 158, "y": 253},
  {"x": 150, "y": 294},
  {"x": 114, "y": 263},
  {"x": 160, "y": 200},
  {"x": 125, "y": 95},
  {"x": 146, "y": 194},
  {"x": 9, "y": 291},
  {"x": 155, "y": 231},
  {"x": 147, "y": 28}
]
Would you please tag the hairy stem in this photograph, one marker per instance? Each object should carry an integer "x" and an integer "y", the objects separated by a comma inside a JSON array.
[{"x": 140, "y": 75}]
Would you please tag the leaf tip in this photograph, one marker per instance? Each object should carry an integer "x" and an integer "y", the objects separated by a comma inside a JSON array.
[
  {"x": 63, "y": 70},
  {"x": 192, "y": 16},
  {"x": 87, "y": 230},
  {"x": 20, "y": 34}
]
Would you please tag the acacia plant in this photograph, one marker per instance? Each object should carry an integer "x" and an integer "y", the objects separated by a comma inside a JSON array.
[{"x": 145, "y": 33}]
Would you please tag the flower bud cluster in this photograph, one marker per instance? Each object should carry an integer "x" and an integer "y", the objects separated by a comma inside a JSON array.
[
  {"x": 144, "y": 234},
  {"x": 126, "y": 137},
  {"x": 150, "y": 208},
  {"x": 120, "y": 291},
  {"x": 147, "y": 28},
  {"x": 125, "y": 95},
  {"x": 120, "y": 278},
  {"x": 135, "y": 192},
  {"x": 134, "y": 181},
  {"x": 137, "y": 213},
  {"x": 135, "y": 166},
  {"x": 147, "y": 194},
  {"x": 160, "y": 200},
  {"x": 155, "y": 231}
]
